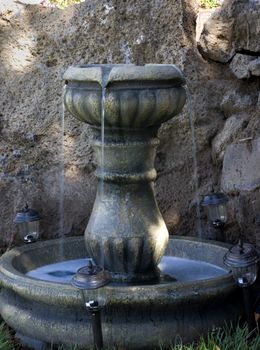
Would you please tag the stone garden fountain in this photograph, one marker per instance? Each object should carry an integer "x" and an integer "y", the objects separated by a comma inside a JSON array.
[{"x": 147, "y": 303}]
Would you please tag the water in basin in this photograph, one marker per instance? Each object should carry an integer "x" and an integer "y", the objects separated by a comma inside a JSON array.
[{"x": 183, "y": 270}]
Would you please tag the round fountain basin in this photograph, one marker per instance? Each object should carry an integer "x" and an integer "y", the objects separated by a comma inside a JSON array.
[{"x": 133, "y": 316}]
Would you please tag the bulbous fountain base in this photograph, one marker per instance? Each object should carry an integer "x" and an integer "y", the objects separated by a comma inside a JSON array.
[{"x": 133, "y": 317}]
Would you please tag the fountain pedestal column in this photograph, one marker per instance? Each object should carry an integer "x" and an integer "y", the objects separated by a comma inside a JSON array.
[{"x": 126, "y": 232}]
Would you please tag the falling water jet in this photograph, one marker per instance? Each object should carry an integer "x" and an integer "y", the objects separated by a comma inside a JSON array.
[
  {"x": 103, "y": 100},
  {"x": 106, "y": 71},
  {"x": 195, "y": 176},
  {"x": 62, "y": 179}
]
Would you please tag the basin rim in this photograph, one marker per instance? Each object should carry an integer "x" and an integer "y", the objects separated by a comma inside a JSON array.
[
  {"x": 125, "y": 73},
  {"x": 53, "y": 293}
]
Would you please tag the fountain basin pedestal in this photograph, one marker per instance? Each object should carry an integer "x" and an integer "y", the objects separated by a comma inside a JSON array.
[
  {"x": 133, "y": 317},
  {"x": 126, "y": 232},
  {"x": 125, "y": 105}
]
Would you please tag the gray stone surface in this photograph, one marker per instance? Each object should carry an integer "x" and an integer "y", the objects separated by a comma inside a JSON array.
[
  {"x": 230, "y": 132},
  {"x": 244, "y": 66},
  {"x": 240, "y": 66},
  {"x": 37, "y": 45},
  {"x": 235, "y": 102},
  {"x": 231, "y": 37},
  {"x": 241, "y": 167},
  {"x": 254, "y": 67},
  {"x": 202, "y": 18},
  {"x": 232, "y": 28}
]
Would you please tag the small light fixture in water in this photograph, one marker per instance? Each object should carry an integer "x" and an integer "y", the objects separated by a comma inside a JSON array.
[
  {"x": 28, "y": 221},
  {"x": 92, "y": 277},
  {"x": 216, "y": 204},
  {"x": 243, "y": 259}
]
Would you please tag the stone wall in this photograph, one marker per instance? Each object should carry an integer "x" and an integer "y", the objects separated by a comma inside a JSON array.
[
  {"x": 37, "y": 44},
  {"x": 231, "y": 38}
]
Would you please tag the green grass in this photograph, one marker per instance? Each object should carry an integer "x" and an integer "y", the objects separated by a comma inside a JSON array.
[
  {"x": 6, "y": 342},
  {"x": 63, "y": 3},
  {"x": 209, "y": 4},
  {"x": 227, "y": 338}
]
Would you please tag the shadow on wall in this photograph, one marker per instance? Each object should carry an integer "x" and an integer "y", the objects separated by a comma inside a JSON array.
[
  {"x": 37, "y": 45},
  {"x": 40, "y": 43}
]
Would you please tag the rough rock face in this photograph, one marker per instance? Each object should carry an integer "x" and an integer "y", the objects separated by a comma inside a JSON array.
[
  {"x": 234, "y": 28},
  {"x": 232, "y": 128},
  {"x": 231, "y": 36},
  {"x": 37, "y": 45},
  {"x": 238, "y": 159},
  {"x": 245, "y": 66}
]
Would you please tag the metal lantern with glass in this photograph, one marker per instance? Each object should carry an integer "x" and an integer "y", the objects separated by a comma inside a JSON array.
[
  {"x": 87, "y": 278},
  {"x": 28, "y": 222},
  {"x": 243, "y": 259},
  {"x": 216, "y": 204}
]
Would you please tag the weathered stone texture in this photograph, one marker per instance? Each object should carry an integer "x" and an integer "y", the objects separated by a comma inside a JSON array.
[
  {"x": 245, "y": 66},
  {"x": 239, "y": 65},
  {"x": 231, "y": 130},
  {"x": 241, "y": 166},
  {"x": 234, "y": 28},
  {"x": 231, "y": 37},
  {"x": 37, "y": 45},
  {"x": 254, "y": 67}
]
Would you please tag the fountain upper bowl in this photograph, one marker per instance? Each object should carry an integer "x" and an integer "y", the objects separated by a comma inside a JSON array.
[{"x": 133, "y": 96}]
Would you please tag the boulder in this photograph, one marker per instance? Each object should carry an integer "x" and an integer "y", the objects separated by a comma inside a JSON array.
[
  {"x": 230, "y": 131},
  {"x": 240, "y": 66},
  {"x": 235, "y": 102},
  {"x": 233, "y": 28},
  {"x": 254, "y": 67},
  {"x": 241, "y": 166},
  {"x": 245, "y": 66}
]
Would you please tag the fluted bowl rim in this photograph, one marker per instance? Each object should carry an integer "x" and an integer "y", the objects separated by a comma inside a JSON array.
[{"x": 105, "y": 74}]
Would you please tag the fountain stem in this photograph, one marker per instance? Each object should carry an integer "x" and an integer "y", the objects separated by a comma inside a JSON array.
[{"x": 126, "y": 232}]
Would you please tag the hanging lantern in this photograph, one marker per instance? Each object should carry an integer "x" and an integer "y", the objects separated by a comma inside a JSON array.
[
  {"x": 28, "y": 223},
  {"x": 216, "y": 204},
  {"x": 242, "y": 259}
]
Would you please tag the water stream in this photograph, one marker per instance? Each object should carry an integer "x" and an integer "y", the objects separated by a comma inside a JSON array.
[
  {"x": 103, "y": 100},
  {"x": 106, "y": 71},
  {"x": 62, "y": 180},
  {"x": 195, "y": 176}
]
